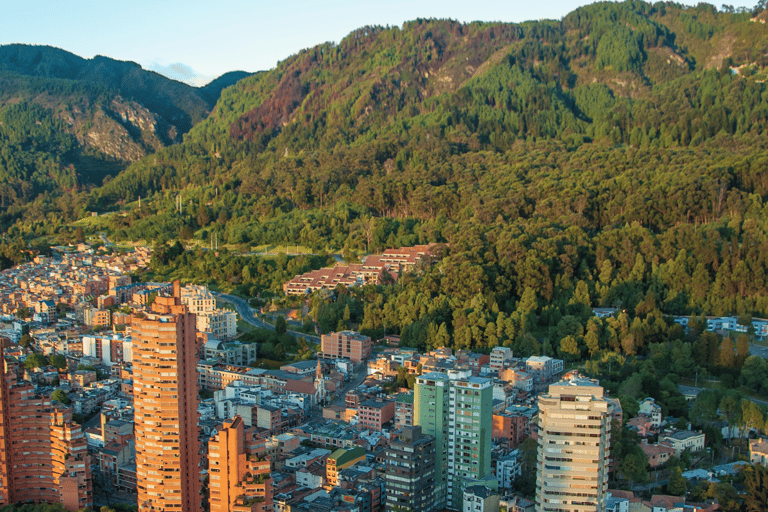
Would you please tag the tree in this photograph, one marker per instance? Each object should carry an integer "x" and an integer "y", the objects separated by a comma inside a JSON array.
[
  {"x": 730, "y": 409},
  {"x": 569, "y": 349},
  {"x": 727, "y": 353},
  {"x": 25, "y": 341},
  {"x": 593, "y": 343},
  {"x": 704, "y": 408},
  {"x": 280, "y": 325},
  {"x": 58, "y": 361},
  {"x": 632, "y": 467},
  {"x": 676, "y": 485},
  {"x": 61, "y": 396},
  {"x": 756, "y": 485},
  {"x": 79, "y": 235},
  {"x": 35, "y": 361},
  {"x": 754, "y": 374},
  {"x": 526, "y": 483}
]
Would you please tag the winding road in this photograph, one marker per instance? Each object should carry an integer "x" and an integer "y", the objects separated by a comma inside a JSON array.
[{"x": 247, "y": 313}]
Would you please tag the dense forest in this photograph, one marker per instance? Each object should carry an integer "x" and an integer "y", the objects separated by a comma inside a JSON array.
[{"x": 612, "y": 158}]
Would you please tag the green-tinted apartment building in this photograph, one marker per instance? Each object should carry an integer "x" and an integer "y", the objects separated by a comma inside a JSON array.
[{"x": 457, "y": 411}]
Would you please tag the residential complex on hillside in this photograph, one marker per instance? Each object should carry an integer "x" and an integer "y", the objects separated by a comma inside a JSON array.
[{"x": 374, "y": 270}]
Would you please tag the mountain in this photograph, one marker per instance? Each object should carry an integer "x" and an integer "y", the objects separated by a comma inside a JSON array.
[
  {"x": 415, "y": 121},
  {"x": 110, "y": 112},
  {"x": 615, "y": 157}
]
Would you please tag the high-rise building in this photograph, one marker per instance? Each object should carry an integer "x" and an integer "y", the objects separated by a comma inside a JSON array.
[
  {"x": 410, "y": 476},
  {"x": 43, "y": 453},
  {"x": 457, "y": 411},
  {"x": 574, "y": 435},
  {"x": 165, "y": 406},
  {"x": 239, "y": 471}
]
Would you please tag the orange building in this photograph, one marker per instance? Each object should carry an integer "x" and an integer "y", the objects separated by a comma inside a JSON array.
[
  {"x": 511, "y": 428},
  {"x": 346, "y": 344},
  {"x": 240, "y": 478},
  {"x": 165, "y": 407},
  {"x": 43, "y": 453}
]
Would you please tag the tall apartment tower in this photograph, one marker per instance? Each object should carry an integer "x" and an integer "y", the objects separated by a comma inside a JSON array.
[
  {"x": 574, "y": 434},
  {"x": 165, "y": 406},
  {"x": 410, "y": 476},
  {"x": 457, "y": 410},
  {"x": 43, "y": 453},
  {"x": 240, "y": 477}
]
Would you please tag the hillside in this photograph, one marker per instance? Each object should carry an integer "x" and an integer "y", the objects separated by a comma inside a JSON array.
[
  {"x": 112, "y": 113},
  {"x": 388, "y": 111},
  {"x": 623, "y": 148}
]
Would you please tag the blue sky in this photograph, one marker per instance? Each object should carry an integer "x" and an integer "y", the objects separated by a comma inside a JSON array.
[{"x": 196, "y": 41}]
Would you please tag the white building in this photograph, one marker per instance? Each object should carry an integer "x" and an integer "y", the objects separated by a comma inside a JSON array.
[
  {"x": 478, "y": 498},
  {"x": 508, "y": 468},
  {"x": 684, "y": 439},
  {"x": 652, "y": 410}
]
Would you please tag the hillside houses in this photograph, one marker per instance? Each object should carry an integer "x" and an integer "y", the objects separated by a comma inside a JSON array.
[{"x": 375, "y": 269}]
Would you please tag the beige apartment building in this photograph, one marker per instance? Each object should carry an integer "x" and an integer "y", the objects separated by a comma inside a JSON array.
[{"x": 574, "y": 435}]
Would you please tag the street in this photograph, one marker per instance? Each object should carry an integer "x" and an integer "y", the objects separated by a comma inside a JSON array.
[{"x": 246, "y": 312}]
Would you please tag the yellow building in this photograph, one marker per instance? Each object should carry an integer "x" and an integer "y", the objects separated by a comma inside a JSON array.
[{"x": 341, "y": 459}]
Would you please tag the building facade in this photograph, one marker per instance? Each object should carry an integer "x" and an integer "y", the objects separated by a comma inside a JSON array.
[
  {"x": 457, "y": 412},
  {"x": 410, "y": 476},
  {"x": 43, "y": 453},
  {"x": 165, "y": 407},
  {"x": 347, "y": 344},
  {"x": 240, "y": 478},
  {"x": 573, "y": 459}
]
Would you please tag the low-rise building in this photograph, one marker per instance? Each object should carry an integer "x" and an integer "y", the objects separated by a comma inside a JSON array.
[
  {"x": 684, "y": 439},
  {"x": 374, "y": 414},
  {"x": 758, "y": 452},
  {"x": 478, "y": 498},
  {"x": 657, "y": 454},
  {"x": 652, "y": 410},
  {"x": 341, "y": 459}
]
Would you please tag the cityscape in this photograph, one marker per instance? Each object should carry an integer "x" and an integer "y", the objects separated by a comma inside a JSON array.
[
  {"x": 172, "y": 415},
  {"x": 387, "y": 256}
]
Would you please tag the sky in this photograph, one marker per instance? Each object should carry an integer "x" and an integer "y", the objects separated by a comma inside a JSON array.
[{"x": 195, "y": 41}]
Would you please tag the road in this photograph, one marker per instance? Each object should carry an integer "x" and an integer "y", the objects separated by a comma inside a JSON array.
[
  {"x": 360, "y": 374},
  {"x": 758, "y": 350},
  {"x": 247, "y": 313}
]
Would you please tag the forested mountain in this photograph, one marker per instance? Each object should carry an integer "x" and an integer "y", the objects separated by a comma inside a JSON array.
[
  {"x": 616, "y": 157},
  {"x": 69, "y": 121}
]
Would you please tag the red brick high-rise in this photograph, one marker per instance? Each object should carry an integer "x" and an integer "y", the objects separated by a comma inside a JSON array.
[
  {"x": 240, "y": 478},
  {"x": 43, "y": 453},
  {"x": 165, "y": 407}
]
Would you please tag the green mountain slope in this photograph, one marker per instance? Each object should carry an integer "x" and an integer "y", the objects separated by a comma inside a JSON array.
[
  {"x": 388, "y": 111},
  {"x": 616, "y": 157},
  {"x": 111, "y": 113}
]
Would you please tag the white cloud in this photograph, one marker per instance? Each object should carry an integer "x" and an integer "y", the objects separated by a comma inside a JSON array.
[{"x": 182, "y": 73}]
